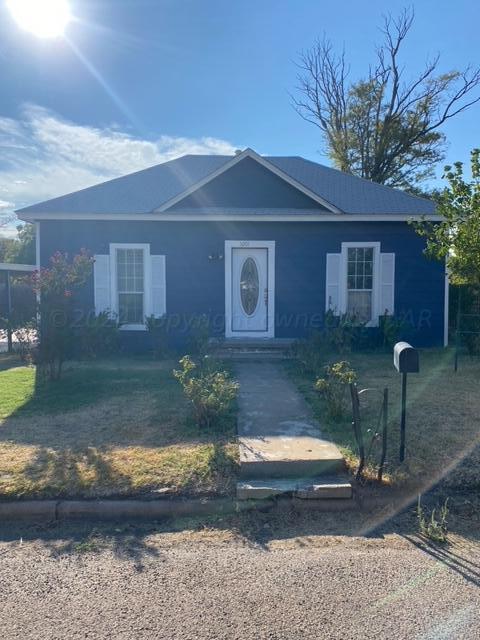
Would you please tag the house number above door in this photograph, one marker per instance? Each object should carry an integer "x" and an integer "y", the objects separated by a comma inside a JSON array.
[{"x": 249, "y": 286}]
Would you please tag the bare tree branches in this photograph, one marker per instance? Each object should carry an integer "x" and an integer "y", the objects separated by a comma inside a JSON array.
[{"x": 383, "y": 127}]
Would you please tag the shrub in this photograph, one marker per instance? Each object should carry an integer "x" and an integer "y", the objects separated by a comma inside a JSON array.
[
  {"x": 98, "y": 336},
  {"x": 433, "y": 528},
  {"x": 211, "y": 391},
  {"x": 158, "y": 330},
  {"x": 333, "y": 388},
  {"x": 341, "y": 331},
  {"x": 391, "y": 330},
  {"x": 310, "y": 353},
  {"x": 198, "y": 342}
]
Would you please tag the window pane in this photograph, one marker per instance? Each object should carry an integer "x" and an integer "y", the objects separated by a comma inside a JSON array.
[
  {"x": 359, "y": 304},
  {"x": 130, "y": 269},
  {"x": 368, "y": 254},
  {"x": 130, "y": 308},
  {"x": 130, "y": 283},
  {"x": 360, "y": 268}
]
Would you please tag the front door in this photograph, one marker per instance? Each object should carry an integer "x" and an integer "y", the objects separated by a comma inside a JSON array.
[{"x": 249, "y": 290}]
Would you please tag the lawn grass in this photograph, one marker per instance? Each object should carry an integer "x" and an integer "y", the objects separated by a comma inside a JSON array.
[
  {"x": 443, "y": 417},
  {"x": 107, "y": 428}
]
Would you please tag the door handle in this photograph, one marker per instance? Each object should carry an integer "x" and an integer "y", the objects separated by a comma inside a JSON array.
[{"x": 265, "y": 296}]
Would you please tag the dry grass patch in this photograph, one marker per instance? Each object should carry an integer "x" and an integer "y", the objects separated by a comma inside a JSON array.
[
  {"x": 443, "y": 424},
  {"x": 108, "y": 428}
]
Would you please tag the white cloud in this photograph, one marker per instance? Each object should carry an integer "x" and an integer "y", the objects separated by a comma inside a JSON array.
[{"x": 43, "y": 156}]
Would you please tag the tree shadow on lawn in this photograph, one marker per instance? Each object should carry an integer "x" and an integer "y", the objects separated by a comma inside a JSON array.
[{"x": 103, "y": 427}]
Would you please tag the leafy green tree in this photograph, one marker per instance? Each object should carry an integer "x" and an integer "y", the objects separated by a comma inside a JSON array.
[
  {"x": 22, "y": 248},
  {"x": 457, "y": 238},
  {"x": 383, "y": 127}
]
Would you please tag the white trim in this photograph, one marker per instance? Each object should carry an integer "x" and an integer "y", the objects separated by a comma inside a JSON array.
[
  {"x": 13, "y": 266},
  {"x": 37, "y": 245},
  {"x": 446, "y": 307},
  {"x": 251, "y": 244},
  {"x": 248, "y": 153},
  {"x": 207, "y": 217},
  {"x": 376, "y": 278},
  {"x": 147, "y": 284}
]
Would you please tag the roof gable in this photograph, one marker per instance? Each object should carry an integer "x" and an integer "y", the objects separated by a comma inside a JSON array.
[{"x": 245, "y": 185}]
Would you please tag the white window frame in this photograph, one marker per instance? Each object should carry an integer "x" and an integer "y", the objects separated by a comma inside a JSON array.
[
  {"x": 147, "y": 282},
  {"x": 376, "y": 277}
]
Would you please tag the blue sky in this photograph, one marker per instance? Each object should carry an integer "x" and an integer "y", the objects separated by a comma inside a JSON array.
[{"x": 139, "y": 81}]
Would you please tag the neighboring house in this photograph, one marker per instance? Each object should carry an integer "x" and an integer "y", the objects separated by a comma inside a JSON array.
[{"x": 262, "y": 245}]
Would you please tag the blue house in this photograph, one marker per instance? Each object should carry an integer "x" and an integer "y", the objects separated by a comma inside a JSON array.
[{"x": 263, "y": 246}]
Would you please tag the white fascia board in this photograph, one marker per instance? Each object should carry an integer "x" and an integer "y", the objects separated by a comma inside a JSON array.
[
  {"x": 12, "y": 266},
  {"x": 172, "y": 217},
  {"x": 248, "y": 153}
]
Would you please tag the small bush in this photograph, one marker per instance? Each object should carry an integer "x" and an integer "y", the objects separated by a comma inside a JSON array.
[
  {"x": 158, "y": 330},
  {"x": 333, "y": 388},
  {"x": 198, "y": 342},
  {"x": 212, "y": 392},
  {"x": 310, "y": 353},
  {"x": 98, "y": 336},
  {"x": 391, "y": 330},
  {"x": 341, "y": 331},
  {"x": 432, "y": 527}
]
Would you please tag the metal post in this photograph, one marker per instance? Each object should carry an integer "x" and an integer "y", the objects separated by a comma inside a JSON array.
[
  {"x": 9, "y": 314},
  {"x": 457, "y": 328},
  {"x": 402, "y": 421},
  {"x": 384, "y": 434}
]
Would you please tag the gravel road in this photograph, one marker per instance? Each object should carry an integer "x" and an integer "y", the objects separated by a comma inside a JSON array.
[{"x": 133, "y": 583}]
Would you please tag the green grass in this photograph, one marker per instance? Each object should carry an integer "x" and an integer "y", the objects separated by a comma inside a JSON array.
[
  {"x": 113, "y": 427},
  {"x": 443, "y": 428}
]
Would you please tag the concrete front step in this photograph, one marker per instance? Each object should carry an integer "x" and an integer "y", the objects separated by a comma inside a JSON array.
[
  {"x": 323, "y": 488},
  {"x": 264, "y": 355},
  {"x": 283, "y": 456},
  {"x": 254, "y": 350}
]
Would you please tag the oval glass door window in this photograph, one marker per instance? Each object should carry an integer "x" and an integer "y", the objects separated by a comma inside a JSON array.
[{"x": 249, "y": 286}]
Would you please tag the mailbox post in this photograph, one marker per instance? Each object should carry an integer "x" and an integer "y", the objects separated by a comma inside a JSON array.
[{"x": 405, "y": 360}]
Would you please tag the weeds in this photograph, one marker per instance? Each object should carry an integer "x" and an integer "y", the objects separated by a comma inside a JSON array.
[{"x": 433, "y": 527}]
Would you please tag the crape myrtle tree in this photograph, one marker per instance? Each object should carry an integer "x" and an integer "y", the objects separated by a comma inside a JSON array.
[
  {"x": 56, "y": 287},
  {"x": 384, "y": 127}
]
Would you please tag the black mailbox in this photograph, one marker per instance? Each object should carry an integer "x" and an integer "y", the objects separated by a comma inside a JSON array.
[{"x": 405, "y": 358}]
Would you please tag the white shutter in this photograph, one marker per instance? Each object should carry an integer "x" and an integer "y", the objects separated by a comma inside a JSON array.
[
  {"x": 101, "y": 280},
  {"x": 333, "y": 282},
  {"x": 159, "y": 306},
  {"x": 387, "y": 284}
]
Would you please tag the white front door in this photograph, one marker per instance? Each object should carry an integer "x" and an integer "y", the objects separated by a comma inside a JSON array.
[{"x": 249, "y": 289}]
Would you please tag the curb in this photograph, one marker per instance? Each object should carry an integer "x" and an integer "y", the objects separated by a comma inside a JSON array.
[
  {"x": 112, "y": 509},
  {"x": 60, "y": 510}
]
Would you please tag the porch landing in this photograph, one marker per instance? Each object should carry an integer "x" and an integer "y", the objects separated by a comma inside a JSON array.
[{"x": 281, "y": 446}]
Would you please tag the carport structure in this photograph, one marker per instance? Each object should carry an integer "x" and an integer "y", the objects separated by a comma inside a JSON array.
[{"x": 7, "y": 270}]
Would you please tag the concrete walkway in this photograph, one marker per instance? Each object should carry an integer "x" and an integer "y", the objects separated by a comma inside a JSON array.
[{"x": 278, "y": 436}]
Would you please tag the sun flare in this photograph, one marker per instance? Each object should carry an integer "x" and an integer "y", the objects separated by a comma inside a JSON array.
[{"x": 43, "y": 18}]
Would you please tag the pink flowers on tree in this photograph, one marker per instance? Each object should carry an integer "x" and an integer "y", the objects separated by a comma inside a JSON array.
[{"x": 56, "y": 287}]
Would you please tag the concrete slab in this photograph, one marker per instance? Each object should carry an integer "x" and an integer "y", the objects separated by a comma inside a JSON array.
[
  {"x": 306, "y": 488},
  {"x": 278, "y": 436}
]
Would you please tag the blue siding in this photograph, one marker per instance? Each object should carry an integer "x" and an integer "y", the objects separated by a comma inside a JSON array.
[
  {"x": 248, "y": 184},
  {"x": 195, "y": 285}
]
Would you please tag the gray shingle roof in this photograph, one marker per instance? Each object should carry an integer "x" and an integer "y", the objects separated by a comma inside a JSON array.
[{"x": 146, "y": 190}]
